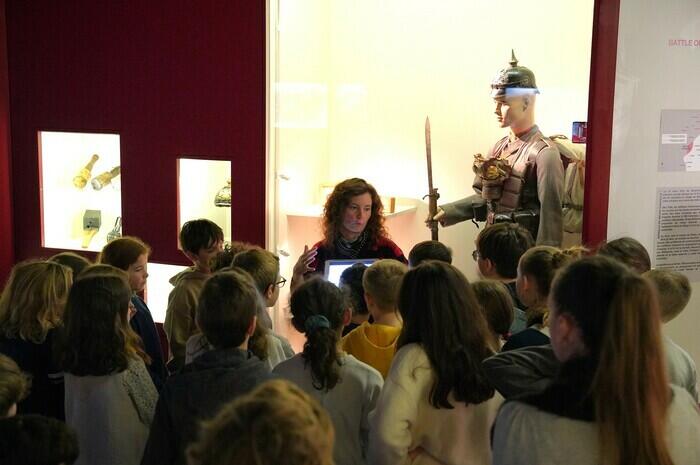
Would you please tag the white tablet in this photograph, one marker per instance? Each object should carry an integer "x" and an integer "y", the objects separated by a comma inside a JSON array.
[{"x": 334, "y": 268}]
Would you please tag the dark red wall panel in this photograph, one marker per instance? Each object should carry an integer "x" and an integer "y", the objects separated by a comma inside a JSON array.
[
  {"x": 7, "y": 255},
  {"x": 179, "y": 77},
  {"x": 600, "y": 120}
]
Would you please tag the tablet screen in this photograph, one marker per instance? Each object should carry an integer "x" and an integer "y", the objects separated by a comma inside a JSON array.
[{"x": 334, "y": 268}]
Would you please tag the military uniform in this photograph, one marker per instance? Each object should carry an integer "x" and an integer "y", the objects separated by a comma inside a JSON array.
[{"x": 537, "y": 165}]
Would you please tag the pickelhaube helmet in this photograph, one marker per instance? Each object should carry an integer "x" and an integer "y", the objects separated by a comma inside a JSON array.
[{"x": 513, "y": 77}]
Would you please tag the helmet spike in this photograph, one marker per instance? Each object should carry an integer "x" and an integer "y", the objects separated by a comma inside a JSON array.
[{"x": 513, "y": 60}]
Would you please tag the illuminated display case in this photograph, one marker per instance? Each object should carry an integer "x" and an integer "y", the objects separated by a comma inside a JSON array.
[
  {"x": 80, "y": 186},
  {"x": 204, "y": 191}
]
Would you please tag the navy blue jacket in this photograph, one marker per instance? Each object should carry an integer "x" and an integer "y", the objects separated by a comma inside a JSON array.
[{"x": 142, "y": 323}]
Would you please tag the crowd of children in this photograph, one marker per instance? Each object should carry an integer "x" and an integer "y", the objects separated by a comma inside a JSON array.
[{"x": 554, "y": 356}]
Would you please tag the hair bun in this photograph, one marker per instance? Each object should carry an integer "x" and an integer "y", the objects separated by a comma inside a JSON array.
[{"x": 315, "y": 322}]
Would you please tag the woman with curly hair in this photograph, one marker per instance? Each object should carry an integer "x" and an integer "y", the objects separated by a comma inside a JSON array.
[{"x": 353, "y": 227}]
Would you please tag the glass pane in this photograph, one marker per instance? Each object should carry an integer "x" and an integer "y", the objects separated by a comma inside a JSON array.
[
  {"x": 80, "y": 189},
  {"x": 205, "y": 192},
  {"x": 159, "y": 287}
]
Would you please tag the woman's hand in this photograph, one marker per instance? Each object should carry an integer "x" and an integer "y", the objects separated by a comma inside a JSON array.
[{"x": 303, "y": 266}]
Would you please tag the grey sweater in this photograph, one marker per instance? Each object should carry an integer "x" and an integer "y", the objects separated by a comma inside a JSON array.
[{"x": 525, "y": 435}]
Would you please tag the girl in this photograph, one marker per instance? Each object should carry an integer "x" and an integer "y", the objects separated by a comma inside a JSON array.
[
  {"x": 610, "y": 402},
  {"x": 498, "y": 308},
  {"x": 31, "y": 310},
  {"x": 110, "y": 398},
  {"x": 436, "y": 405},
  {"x": 536, "y": 271},
  {"x": 346, "y": 387},
  {"x": 131, "y": 255}
]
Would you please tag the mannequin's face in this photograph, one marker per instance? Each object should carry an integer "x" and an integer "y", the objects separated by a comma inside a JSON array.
[{"x": 511, "y": 111}]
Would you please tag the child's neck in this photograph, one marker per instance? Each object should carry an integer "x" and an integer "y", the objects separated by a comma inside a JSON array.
[
  {"x": 202, "y": 268},
  {"x": 389, "y": 318},
  {"x": 358, "y": 318}
]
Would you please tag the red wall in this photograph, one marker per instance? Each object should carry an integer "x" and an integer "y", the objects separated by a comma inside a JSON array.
[
  {"x": 600, "y": 120},
  {"x": 6, "y": 228},
  {"x": 172, "y": 78}
]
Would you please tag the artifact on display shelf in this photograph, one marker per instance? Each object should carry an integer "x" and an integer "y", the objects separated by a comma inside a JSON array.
[
  {"x": 116, "y": 232},
  {"x": 105, "y": 178},
  {"x": 83, "y": 176},
  {"x": 92, "y": 220},
  {"x": 223, "y": 197}
]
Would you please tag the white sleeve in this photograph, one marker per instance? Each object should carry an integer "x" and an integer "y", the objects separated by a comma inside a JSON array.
[{"x": 391, "y": 422}]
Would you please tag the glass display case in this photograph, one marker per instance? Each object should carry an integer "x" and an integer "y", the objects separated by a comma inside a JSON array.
[
  {"x": 158, "y": 288},
  {"x": 204, "y": 191},
  {"x": 80, "y": 186}
]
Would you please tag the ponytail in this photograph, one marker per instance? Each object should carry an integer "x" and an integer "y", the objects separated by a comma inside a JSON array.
[
  {"x": 321, "y": 352},
  {"x": 630, "y": 386},
  {"x": 618, "y": 316},
  {"x": 317, "y": 308}
]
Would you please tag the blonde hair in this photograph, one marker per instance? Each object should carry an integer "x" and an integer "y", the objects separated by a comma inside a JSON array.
[
  {"x": 382, "y": 280},
  {"x": 275, "y": 424},
  {"x": 541, "y": 263},
  {"x": 33, "y": 300},
  {"x": 673, "y": 289},
  {"x": 262, "y": 265}
]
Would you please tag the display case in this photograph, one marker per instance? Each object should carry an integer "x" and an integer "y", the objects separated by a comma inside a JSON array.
[
  {"x": 158, "y": 288},
  {"x": 80, "y": 189},
  {"x": 204, "y": 191}
]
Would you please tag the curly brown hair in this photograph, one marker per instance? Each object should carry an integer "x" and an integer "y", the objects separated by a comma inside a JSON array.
[
  {"x": 340, "y": 199},
  {"x": 277, "y": 423}
]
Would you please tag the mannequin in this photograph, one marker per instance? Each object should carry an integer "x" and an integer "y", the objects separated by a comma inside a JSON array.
[{"x": 531, "y": 191}]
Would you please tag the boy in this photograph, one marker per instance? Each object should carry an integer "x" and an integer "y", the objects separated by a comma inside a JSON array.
[
  {"x": 498, "y": 251},
  {"x": 14, "y": 386},
  {"x": 201, "y": 240},
  {"x": 226, "y": 314},
  {"x": 375, "y": 344},
  {"x": 429, "y": 250},
  {"x": 674, "y": 291}
]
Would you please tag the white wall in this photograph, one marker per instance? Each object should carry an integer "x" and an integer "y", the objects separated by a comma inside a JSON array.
[{"x": 652, "y": 76}]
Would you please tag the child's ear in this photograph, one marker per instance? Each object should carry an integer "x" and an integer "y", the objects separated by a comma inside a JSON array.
[
  {"x": 368, "y": 299},
  {"x": 270, "y": 292},
  {"x": 347, "y": 316},
  {"x": 251, "y": 328}
]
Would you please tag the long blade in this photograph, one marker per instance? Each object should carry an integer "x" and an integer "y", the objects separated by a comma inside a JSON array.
[{"x": 428, "y": 154}]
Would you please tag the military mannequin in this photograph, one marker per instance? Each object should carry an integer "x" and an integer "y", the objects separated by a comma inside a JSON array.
[{"x": 531, "y": 192}]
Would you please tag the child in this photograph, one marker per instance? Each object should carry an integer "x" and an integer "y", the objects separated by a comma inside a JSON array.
[
  {"x": 201, "y": 240},
  {"x": 375, "y": 344},
  {"x": 437, "y": 405},
  {"x": 263, "y": 266},
  {"x": 628, "y": 251},
  {"x": 351, "y": 284},
  {"x": 224, "y": 258},
  {"x": 295, "y": 428},
  {"x": 498, "y": 308},
  {"x": 498, "y": 251},
  {"x": 131, "y": 255},
  {"x": 673, "y": 289},
  {"x": 36, "y": 440},
  {"x": 610, "y": 401},
  {"x": 346, "y": 387},
  {"x": 110, "y": 397},
  {"x": 536, "y": 271},
  {"x": 429, "y": 250},
  {"x": 31, "y": 310},
  {"x": 14, "y": 386},
  {"x": 72, "y": 260},
  {"x": 226, "y": 313}
]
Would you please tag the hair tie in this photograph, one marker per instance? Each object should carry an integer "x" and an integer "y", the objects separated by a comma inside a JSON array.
[{"x": 315, "y": 322}]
